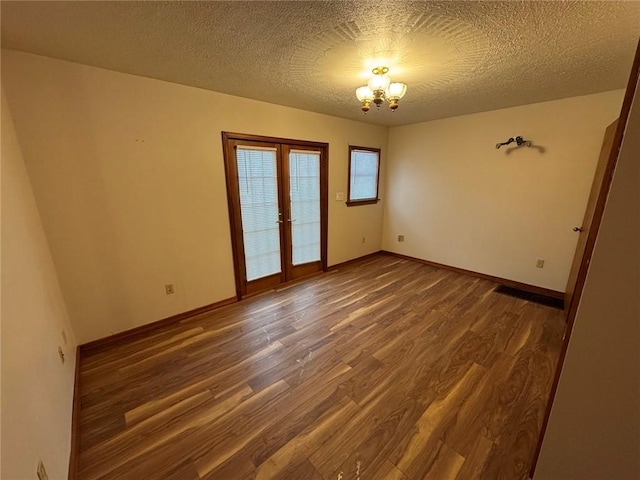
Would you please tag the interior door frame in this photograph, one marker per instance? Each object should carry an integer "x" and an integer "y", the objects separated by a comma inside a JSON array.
[
  {"x": 235, "y": 220},
  {"x": 601, "y": 201}
]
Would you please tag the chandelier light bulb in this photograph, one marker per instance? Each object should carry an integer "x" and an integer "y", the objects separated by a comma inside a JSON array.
[{"x": 379, "y": 82}]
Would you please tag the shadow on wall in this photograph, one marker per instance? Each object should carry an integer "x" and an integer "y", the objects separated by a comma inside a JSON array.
[{"x": 540, "y": 148}]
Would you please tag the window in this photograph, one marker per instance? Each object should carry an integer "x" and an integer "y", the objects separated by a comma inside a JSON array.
[{"x": 364, "y": 166}]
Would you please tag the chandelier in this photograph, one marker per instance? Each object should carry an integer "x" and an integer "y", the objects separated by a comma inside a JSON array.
[{"x": 379, "y": 88}]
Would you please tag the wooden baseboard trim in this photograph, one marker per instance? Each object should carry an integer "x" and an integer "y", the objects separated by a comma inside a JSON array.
[
  {"x": 503, "y": 281},
  {"x": 142, "y": 330},
  {"x": 75, "y": 421},
  {"x": 354, "y": 260}
]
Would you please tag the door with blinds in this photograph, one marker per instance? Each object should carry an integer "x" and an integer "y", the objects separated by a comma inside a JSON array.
[{"x": 277, "y": 192}]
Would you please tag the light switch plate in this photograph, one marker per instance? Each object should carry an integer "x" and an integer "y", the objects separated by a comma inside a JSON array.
[{"x": 339, "y": 196}]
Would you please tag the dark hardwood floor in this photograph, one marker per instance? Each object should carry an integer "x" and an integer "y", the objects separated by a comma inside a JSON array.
[{"x": 384, "y": 369}]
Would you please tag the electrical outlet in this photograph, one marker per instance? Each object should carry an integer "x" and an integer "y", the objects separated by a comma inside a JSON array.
[
  {"x": 401, "y": 238},
  {"x": 41, "y": 471},
  {"x": 540, "y": 263},
  {"x": 61, "y": 354},
  {"x": 169, "y": 289},
  {"x": 64, "y": 336}
]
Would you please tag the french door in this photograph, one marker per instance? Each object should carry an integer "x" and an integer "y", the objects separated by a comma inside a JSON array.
[{"x": 277, "y": 193}]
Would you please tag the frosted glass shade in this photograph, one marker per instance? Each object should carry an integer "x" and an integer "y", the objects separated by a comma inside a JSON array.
[
  {"x": 396, "y": 90},
  {"x": 379, "y": 82},
  {"x": 364, "y": 93}
]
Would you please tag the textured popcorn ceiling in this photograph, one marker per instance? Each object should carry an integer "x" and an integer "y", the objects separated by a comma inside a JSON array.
[{"x": 456, "y": 57}]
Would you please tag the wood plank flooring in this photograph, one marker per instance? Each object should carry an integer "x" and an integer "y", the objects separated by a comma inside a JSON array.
[{"x": 383, "y": 369}]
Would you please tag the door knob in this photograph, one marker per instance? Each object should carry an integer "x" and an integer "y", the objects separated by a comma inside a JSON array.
[{"x": 577, "y": 229}]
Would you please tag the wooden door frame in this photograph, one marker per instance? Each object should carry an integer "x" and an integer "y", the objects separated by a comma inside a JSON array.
[
  {"x": 601, "y": 201},
  {"x": 235, "y": 221}
]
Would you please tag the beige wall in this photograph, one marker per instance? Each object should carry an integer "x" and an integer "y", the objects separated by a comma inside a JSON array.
[
  {"x": 594, "y": 428},
  {"x": 460, "y": 202},
  {"x": 128, "y": 174},
  {"x": 36, "y": 388}
]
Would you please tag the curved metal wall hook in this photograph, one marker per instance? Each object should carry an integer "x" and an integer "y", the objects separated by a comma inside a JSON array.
[{"x": 519, "y": 141}]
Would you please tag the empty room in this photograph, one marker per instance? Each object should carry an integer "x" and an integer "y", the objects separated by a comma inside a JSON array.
[{"x": 320, "y": 240}]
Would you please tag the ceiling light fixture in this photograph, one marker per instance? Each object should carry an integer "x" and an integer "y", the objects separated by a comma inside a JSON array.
[{"x": 379, "y": 88}]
